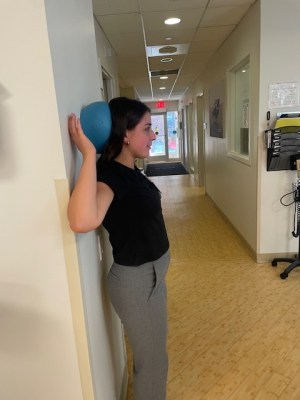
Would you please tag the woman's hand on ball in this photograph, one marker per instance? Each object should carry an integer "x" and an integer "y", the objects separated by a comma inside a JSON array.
[{"x": 78, "y": 137}]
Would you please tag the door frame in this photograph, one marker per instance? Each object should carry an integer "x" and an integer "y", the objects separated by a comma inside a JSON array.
[
  {"x": 166, "y": 157},
  {"x": 162, "y": 158}
]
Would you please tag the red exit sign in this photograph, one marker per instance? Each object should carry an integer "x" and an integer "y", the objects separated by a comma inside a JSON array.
[{"x": 160, "y": 104}]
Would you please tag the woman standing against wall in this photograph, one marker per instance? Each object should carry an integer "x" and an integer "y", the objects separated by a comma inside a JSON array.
[{"x": 115, "y": 193}]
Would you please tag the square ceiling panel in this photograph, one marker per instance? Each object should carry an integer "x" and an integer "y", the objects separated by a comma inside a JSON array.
[
  {"x": 158, "y": 37},
  {"x": 109, "y": 7},
  {"x": 213, "y": 33},
  {"x": 223, "y": 16},
  {"x": 129, "y": 67},
  {"x": 121, "y": 23},
  {"x": 160, "y": 5},
  {"x": 120, "y": 41},
  {"x": 155, "y": 20},
  {"x": 229, "y": 3}
]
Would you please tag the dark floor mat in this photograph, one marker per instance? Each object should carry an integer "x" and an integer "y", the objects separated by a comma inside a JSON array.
[{"x": 165, "y": 169}]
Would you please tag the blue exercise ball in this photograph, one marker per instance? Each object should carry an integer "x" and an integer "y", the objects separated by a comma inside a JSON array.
[{"x": 95, "y": 120}]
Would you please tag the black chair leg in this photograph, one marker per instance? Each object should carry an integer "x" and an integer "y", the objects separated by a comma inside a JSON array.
[
  {"x": 282, "y": 259},
  {"x": 294, "y": 263},
  {"x": 286, "y": 272}
]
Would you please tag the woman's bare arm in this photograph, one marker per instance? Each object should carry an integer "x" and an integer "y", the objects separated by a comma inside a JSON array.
[{"x": 90, "y": 199}]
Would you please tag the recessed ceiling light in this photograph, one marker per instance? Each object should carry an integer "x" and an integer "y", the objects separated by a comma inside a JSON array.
[
  {"x": 162, "y": 88},
  {"x": 172, "y": 21},
  {"x": 168, "y": 38},
  {"x": 167, "y": 59},
  {"x": 164, "y": 77},
  {"x": 243, "y": 70}
]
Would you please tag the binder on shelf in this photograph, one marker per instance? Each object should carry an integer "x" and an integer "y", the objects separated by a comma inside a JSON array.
[{"x": 283, "y": 144}]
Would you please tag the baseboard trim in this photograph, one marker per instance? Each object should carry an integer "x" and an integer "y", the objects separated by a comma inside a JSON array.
[
  {"x": 252, "y": 252},
  {"x": 268, "y": 257},
  {"x": 260, "y": 258}
]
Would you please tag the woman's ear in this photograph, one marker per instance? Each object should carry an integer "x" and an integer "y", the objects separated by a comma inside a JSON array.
[{"x": 126, "y": 139}]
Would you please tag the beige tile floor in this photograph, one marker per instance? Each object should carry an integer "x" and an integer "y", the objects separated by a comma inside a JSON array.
[{"x": 234, "y": 325}]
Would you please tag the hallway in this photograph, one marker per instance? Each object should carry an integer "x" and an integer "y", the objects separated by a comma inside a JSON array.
[{"x": 233, "y": 324}]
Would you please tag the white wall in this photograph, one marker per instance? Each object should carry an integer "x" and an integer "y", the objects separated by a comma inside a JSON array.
[
  {"x": 59, "y": 336},
  {"x": 280, "y": 37},
  {"x": 77, "y": 76},
  {"x": 230, "y": 183},
  {"x": 106, "y": 59},
  {"x": 38, "y": 354}
]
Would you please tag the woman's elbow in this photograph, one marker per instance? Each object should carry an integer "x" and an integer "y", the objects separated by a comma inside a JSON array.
[
  {"x": 82, "y": 228},
  {"x": 78, "y": 226},
  {"x": 82, "y": 222}
]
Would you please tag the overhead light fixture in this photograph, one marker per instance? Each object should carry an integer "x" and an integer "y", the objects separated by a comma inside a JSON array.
[
  {"x": 172, "y": 21},
  {"x": 243, "y": 70},
  {"x": 167, "y": 59},
  {"x": 168, "y": 38},
  {"x": 164, "y": 77},
  {"x": 162, "y": 88}
]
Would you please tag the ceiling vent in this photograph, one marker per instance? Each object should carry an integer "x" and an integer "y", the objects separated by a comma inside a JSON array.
[
  {"x": 156, "y": 51},
  {"x": 168, "y": 50},
  {"x": 164, "y": 72}
]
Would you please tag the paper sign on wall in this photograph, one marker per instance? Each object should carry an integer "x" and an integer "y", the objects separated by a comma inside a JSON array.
[{"x": 283, "y": 94}]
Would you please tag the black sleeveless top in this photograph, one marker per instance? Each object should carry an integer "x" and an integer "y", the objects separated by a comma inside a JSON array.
[{"x": 134, "y": 219}]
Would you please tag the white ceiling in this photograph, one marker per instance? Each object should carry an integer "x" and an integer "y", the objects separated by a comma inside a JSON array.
[{"x": 132, "y": 26}]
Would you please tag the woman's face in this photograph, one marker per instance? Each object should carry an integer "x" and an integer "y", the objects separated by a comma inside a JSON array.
[{"x": 140, "y": 138}]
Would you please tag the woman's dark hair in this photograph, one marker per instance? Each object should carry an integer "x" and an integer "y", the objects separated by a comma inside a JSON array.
[{"x": 125, "y": 115}]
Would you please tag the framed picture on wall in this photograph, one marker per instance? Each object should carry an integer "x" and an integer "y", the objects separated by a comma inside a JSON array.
[{"x": 216, "y": 110}]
